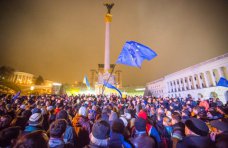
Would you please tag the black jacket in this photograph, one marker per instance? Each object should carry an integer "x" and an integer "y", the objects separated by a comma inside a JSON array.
[{"x": 196, "y": 142}]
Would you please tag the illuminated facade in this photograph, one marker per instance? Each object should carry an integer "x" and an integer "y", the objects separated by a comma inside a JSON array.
[
  {"x": 22, "y": 78},
  {"x": 199, "y": 81}
]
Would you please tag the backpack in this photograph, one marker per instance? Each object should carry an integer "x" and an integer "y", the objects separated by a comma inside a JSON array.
[{"x": 164, "y": 135}]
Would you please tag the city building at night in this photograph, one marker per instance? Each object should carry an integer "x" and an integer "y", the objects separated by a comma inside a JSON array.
[
  {"x": 199, "y": 81},
  {"x": 22, "y": 78}
]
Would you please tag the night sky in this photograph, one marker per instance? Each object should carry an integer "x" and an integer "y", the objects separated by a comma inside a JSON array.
[{"x": 63, "y": 39}]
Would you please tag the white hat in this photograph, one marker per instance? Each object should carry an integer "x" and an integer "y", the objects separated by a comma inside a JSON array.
[
  {"x": 82, "y": 111},
  {"x": 124, "y": 120},
  {"x": 36, "y": 119},
  {"x": 127, "y": 115}
]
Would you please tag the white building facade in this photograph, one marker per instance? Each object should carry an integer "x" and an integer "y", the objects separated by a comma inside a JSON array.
[
  {"x": 199, "y": 81},
  {"x": 22, "y": 78}
]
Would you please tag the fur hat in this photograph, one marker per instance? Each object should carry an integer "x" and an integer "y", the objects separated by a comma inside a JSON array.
[
  {"x": 36, "y": 119},
  {"x": 197, "y": 126}
]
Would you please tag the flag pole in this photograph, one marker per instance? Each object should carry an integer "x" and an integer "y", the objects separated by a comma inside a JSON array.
[{"x": 103, "y": 87}]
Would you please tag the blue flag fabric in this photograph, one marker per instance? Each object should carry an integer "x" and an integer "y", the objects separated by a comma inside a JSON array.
[
  {"x": 108, "y": 85},
  {"x": 133, "y": 54},
  {"x": 17, "y": 95},
  {"x": 222, "y": 82},
  {"x": 86, "y": 81}
]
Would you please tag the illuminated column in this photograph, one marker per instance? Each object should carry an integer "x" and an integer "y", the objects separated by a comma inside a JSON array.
[
  {"x": 206, "y": 79},
  {"x": 213, "y": 78},
  {"x": 108, "y": 20},
  {"x": 200, "y": 81},
  {"x": 194, "y": 82},
  {"x": 220, "y": 72}
]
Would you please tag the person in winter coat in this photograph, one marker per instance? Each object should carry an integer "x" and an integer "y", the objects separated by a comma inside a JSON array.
[
  {"x": 35, "y": 123},
  {"x": 196, "y": 135},
  {"x": 141, "y": 139},
  {"x": 81, "y": 126},
  {"x": 69, "y": 135},
  {"x": 178, "y": 132},
  {"x": 116, "y": 137},
  {"x": 100, "y": 135}
]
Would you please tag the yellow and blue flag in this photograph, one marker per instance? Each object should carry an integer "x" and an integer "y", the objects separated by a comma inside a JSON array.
[
  {"x": 86, "y": 81},
  {"x": 108, "y": 85},
  {"x": 134, "y": 53}
]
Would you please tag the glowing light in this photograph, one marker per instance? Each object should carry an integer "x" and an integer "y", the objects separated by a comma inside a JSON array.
[
  {"x": 139, "y": 89},
  {"x": 56, "y": 84},
  {"x": 32, "y": 88}
]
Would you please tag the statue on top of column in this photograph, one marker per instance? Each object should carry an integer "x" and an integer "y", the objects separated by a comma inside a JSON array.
[{"x": 109, "y": 6}]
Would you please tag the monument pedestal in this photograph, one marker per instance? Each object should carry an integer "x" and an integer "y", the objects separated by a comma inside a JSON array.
[{"x": 102, "y": 78}]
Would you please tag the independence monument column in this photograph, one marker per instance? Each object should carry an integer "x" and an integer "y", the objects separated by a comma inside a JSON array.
[{"x": 108, "y": 20}]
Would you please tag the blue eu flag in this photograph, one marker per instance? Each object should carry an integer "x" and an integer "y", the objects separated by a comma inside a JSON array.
[
  {"x": 108, "y": 85},
  {"x": 222, "y": 82},
  {"x": 133, "y": 54}
]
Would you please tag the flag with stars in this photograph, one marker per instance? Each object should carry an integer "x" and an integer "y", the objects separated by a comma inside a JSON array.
[{"x": 133, "y": 54}]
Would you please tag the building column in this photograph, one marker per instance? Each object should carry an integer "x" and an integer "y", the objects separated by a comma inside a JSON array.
[
  {"x": 200, "y": 80},
  {"x": 213, "y": 78},
  {"x": 194, "y": 82},
  {"x": 168, "y": 84},
  {"x": 220, "y": 72},
  {"x": 184, "y": 84},
  {"x": 181, "y": 85},
  {"x": 206, "y": 79}
]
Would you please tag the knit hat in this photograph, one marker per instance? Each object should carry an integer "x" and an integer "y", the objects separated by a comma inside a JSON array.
[
  {"x": 142, "y": 114},
  {"x": 36, "y": 119},
  {"x": 223, "y": 126},
  {"x": 82, "y": 111},
  {"x": 62, "y": 115},
  {"x": 101, "y": 130},
  {"x": 140, "y": 124},
  {"x": 197, "y": 126},
  {"x": 123, "y": 118}
]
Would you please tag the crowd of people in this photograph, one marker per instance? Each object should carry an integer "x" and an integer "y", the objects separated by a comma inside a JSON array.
[{"x": 89, "y": 121}]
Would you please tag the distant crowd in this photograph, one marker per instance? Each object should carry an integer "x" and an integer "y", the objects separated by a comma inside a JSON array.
[{"x": 89, "y": 121}]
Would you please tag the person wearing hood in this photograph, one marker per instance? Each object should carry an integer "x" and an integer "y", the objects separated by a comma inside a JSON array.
[
  {"x": 57, "y": 130},
  {"x": 69, "y": 135},
  {"x": 116, "y": 137},
  {"x": 100, "y": 135},
  {"x": 35, "y": 123},
  {"x": 82, "y": 127}
]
